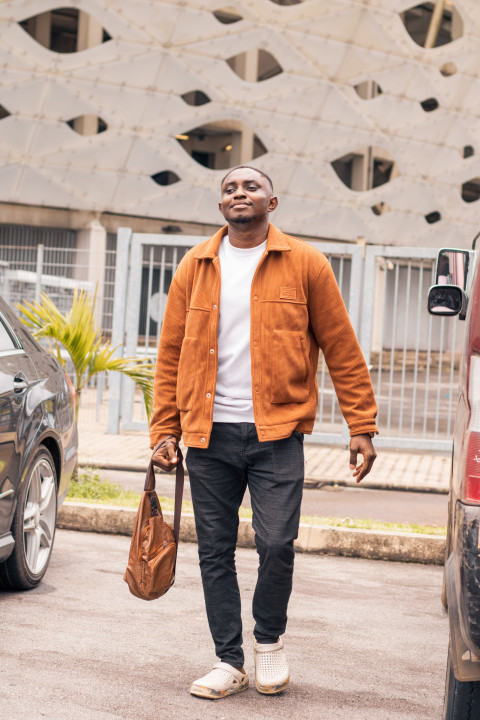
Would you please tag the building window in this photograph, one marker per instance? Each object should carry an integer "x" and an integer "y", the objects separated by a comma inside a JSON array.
[
  {"x": 88, "y": 125},
  {"x": 419, "y": 20},
  {"x": 65, "y": 30},
  {"x": 227, "y": 15},
  {"x": 195, "y": 98},
  {"x": 471, "y": 190},
  {"x": 221, "y": 145},
  {"x": 166, "y": 177},
  {"x": 365, "y": 169},
  {"x": 255, "y": 65}
]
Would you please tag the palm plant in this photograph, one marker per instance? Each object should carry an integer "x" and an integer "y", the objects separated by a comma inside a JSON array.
[{"x": 78, "y": 332}]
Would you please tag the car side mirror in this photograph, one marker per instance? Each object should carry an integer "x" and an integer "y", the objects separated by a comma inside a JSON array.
[
  {"x": 452, "y": 267},
  {"x": 447, "y": 300}
]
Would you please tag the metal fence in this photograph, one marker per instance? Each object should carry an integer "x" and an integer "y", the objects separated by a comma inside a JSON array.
[
  {"x": 35, "y": 260},
  {"x": 153, "y": 261},
  {"x": 413, "y": 357}
]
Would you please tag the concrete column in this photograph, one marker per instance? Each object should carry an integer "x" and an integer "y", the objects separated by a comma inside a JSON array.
[
  {"x": 90, "y": 31},
  {"x": 90, "y": 34},
  {"x": 246, "y": 67},
  {"x": 360, "y": 174},
  {"x": 435, "y": 24},
  {"x": 250, "y": 75},
  {"x": 90, "y": 262},
  {"x": 379, "y": 306},
  {"x": 457, "y": 25}
]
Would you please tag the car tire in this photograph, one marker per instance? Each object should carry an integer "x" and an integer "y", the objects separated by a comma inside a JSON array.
[
  {"x": 462, "y": 699},
  {"x": 33, "y": 526}
]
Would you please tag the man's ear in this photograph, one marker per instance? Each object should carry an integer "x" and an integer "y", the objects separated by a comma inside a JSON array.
[
  {"x": 273, "y": 203},
  {"x": 220, "y": 207}
]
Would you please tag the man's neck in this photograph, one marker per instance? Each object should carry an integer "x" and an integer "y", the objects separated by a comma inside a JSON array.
[{"x": 248, "y": 235}]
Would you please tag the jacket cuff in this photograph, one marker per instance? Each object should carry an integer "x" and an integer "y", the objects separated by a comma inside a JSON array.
[{"x": 369, "y": 430}]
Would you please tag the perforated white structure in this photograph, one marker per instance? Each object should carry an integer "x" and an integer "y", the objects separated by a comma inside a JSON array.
[{"x": 307, "y": 116}]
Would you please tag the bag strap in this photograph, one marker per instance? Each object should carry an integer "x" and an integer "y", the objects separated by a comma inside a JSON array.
[{"x": 179, "y": 483}]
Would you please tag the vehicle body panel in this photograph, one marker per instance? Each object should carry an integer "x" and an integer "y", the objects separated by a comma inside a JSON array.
[
  {"x": 462, "y": 567},
  {"x": 40, "y": 413}
]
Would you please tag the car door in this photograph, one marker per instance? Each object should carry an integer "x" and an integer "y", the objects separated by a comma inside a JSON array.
[{"x": 17, "y": 373}]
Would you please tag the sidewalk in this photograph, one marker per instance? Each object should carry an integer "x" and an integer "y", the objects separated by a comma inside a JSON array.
[{"x": 399, "y": 470}]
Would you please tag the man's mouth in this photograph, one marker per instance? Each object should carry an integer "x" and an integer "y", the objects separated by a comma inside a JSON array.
[{"x": 240, "y": 205}]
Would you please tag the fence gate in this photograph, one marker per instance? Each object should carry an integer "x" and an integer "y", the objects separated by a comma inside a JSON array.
[{"x": 412, "y": 356}]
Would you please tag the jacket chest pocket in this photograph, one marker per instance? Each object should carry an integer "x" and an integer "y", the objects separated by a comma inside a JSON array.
[
  {"x": 290, "y": 367},
  {"x": 197, "y": 322},
  {"x": 187, "y": 374}
]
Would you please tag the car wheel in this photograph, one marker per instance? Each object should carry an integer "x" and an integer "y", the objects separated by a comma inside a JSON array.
[
  {"x": 33, "y": 527},
  {"x": 462, "y": 699}
]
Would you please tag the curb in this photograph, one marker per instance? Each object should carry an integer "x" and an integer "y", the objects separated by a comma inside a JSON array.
[
  {"x": 310, "y": 483},
  {"x": 319, "y": 539}
]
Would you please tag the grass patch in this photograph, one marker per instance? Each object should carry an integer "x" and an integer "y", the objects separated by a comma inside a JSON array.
[
  {"x": 366, "y": 524},
  {"x": 91, "y": 487}
]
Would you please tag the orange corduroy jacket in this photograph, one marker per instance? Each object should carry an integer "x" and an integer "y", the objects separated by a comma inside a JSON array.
[{"x": 296, "y": 310}]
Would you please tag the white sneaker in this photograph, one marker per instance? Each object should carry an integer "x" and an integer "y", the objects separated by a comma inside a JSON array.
[
  {"x": 223, "y": 680},
  {"x": 271, "y": 670}
]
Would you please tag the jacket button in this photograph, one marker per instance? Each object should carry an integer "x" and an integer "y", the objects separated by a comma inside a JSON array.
[
  {"x": 256, "y": 388},
  {"x": 208, "y": 395},
  {"x": 202, "y": 439},
  {"x": 255, "y": 343},
  {"x": 212, "y": 351},
  {"x": 214, "y": 307},
  {"x": 255, "y": 297}
]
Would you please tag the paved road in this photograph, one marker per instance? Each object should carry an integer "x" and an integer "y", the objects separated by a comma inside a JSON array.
[
  {"x": 356, "y": 502},
  {"x": 367, "y": 640}
]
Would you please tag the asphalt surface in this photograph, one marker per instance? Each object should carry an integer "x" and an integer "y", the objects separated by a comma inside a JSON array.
[
  {"x": 332, "y": 501},
  {"x": 366, "y": 640}
]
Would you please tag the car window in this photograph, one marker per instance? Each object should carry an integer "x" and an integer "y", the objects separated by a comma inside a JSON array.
[{"x": 6, "y": 341}]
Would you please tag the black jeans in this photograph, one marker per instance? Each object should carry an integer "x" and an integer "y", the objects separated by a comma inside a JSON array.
[{"x": 219, "y": 475}]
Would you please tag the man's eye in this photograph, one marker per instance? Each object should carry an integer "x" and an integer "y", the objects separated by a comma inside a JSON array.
[{"x": 252, "y": 187}]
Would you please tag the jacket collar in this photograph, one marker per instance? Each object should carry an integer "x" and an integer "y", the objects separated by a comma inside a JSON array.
[{"x": 276, "y": 240}]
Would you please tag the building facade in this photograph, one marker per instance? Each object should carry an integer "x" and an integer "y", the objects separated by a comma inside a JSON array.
[{"x": 366, "y": 113}]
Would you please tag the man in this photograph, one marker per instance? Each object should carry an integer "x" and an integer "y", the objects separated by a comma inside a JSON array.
[{"x": 247, "y": 312}]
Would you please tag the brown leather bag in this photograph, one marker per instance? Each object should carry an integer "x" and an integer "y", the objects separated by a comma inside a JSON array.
[{"x": 152, "y": 559}]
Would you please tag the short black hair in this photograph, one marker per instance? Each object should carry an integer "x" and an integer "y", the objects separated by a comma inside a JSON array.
[{"x": 248, "y": 167}]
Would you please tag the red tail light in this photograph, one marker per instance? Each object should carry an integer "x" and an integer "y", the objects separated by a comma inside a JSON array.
[
  {"x": 71, "y": 388},
  {"x": 472, "y": 444},
  {"x": 472, "y": 468}
]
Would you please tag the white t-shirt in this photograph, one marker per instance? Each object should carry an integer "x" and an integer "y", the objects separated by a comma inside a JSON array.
[{"x": 233, "y": 392}]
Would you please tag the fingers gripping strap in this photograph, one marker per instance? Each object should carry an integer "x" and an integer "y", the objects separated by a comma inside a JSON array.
[
  {"x": 150, "y": 478},
  {"x": 179, "y": 482}
]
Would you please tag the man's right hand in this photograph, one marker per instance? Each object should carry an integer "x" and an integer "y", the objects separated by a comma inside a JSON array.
[{"x": 166, "y": 456}]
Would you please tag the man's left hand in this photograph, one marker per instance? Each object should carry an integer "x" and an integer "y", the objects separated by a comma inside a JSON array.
[{"x": 361, "y": 444}]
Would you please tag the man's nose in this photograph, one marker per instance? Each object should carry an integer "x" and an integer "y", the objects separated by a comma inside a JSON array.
[{"x": 239, "y": 192}]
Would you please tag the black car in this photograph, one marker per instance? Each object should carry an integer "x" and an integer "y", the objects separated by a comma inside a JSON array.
[
  {"x": 457, "y": 292},
  {"x": 38, "y": 452}
]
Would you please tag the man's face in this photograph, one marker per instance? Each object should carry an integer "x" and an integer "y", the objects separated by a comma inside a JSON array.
[{"x": 246, "y": 197}]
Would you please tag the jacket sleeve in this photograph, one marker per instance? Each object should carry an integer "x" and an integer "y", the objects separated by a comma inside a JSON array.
[
  {"x": 166, "y": 417},
  {"x": 336, "y": 338}
]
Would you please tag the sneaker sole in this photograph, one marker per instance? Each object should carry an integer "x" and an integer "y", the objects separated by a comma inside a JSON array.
[
  {"x": 271, "y": 689},
  {"x": 212, "y": 694}
]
